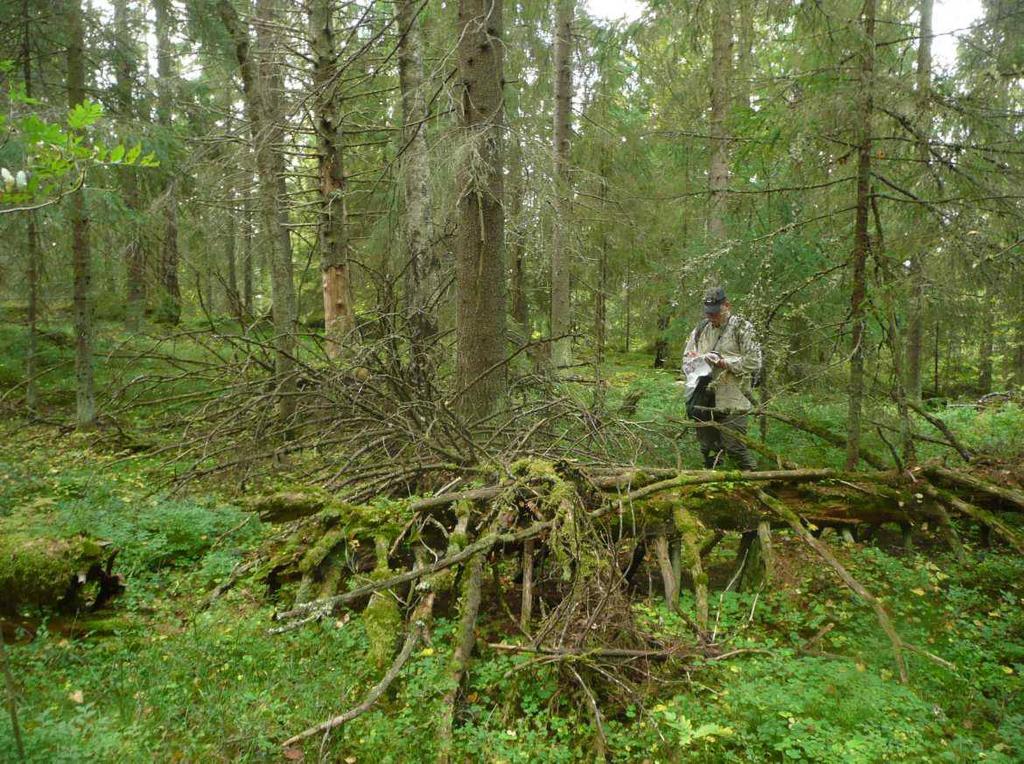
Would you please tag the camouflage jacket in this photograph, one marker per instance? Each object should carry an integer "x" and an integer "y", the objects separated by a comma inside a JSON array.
[{"x": 736, "y": 342}]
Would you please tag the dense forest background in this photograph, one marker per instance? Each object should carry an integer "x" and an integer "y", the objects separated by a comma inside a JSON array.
[
  {"x": 817, "y": 165},
  {"x": 365, "y": 317}
]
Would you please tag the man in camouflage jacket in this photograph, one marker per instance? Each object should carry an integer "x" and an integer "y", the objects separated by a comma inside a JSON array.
[{"x": 730, "y": 347}]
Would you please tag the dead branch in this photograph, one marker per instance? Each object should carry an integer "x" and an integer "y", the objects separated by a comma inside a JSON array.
[{"x": 883, "y": 618}]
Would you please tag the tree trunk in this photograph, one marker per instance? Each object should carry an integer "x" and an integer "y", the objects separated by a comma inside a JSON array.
[
  {"x": 260, "y": 86},
  {"x": 480, "y": 242},
  {"x": 601, "y": 292},
  {"x": 81, "y": 260},
  {"x": 423, "y": 267},
  {"x": 271, "y": 168},
  {"x": 661, "y": 341},
  {"x": 742, "y": 87},
  {"x": 1018, "y": 354},
  {"x": 520, "y": 306},
  {"x": 339, "y": 316},
  {"x": 908, "y": 455},
  {"x": 561, "y": 268},
  {"x": 861, "y": 244},
  {"x": 247, "y": 252},
  {"x": 170, "y": 309},
  {"x": 34, "y": 256},
  {"x": 628, "y": 303},
  {"x": 231, "y": 297},
  {"x": 33, "y": 252},
  {"x": 917, "y": 285},
  {"x": 986, "y": 346},
  {"x": 721, "y": 83}
]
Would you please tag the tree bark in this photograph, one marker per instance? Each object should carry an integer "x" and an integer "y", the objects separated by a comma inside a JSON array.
[
  {"x": 745, "y": 55},
  {"x": 661, "y": 341},
  {"x": 561, "y": 268},
  {"x": 917, "y": 286},
  {"x": 133, "y": 252},
  {"x": 170, "y": 308},
  {"x": 33, "y": 252},
  {"x": 986, "y": 345},
  {"x": 861, "y": 243},
  {"x": 332, "y": 225},
  {"x": 271, "y": 168},
  {"x": 233, "y": 303},
  {"x": 601, "y": 292},
  {"x": 423, "y": 267},
  {"x": 480, "y": 242},
  {"x": 247, "y": 252},
  {"x": 520, "y": 305},
  {"x": 81, "y": 257},
  {"x": 721, "y": 96},
  {"x": 628, "y": 303}
]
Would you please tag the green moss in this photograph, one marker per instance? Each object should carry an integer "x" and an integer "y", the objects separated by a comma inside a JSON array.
[
  {"x": 40, "y": 570},
  {"x": 323, "y": 547},
  {"x": 690, "y": 531},
  {"x": 533, "y": 468},
  {"x": 382, "y": 619}
]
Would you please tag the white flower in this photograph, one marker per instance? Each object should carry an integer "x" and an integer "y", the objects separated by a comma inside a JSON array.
[
  {"x": 8, "y": 179},
  {"x": 21, "y": 180}
]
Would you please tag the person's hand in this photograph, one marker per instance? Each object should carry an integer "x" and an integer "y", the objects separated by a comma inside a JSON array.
[{"x": 716, "y": 360}]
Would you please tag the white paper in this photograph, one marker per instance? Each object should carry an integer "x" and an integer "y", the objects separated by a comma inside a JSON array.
[{"x": 694, "y": 369}]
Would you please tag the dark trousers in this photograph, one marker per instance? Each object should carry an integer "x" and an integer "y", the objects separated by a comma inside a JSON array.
[{"x": 716, "y": 442}]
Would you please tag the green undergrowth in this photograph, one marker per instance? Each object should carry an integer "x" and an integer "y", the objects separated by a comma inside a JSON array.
[
  {"x": 174, "y": 683},
  {"x": 995, "y": 429}
]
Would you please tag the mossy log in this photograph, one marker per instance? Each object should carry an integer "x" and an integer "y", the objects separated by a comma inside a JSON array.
[
  {"x": 576, "y": 522},
  {"x": 65, "y": 575},
  {"x": 640, "y": 503}
]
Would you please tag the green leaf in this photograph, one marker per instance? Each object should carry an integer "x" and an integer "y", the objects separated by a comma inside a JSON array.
[
  {"x": 149, "y": 160},
  {"x": 84, "y": 115},
  {"x": 133, "y": 154},
  {"x": 116, "y": 154}
]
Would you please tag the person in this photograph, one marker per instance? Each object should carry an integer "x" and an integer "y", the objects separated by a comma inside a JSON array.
[{"x": 728, "y": 345}]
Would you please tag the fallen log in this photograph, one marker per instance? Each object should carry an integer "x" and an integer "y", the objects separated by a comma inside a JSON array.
[
  {"x": 565, "y": 531},
  {"x": 66, "y": 575},
  {"x": 720, "y": 501},
  {"x": 983, "y": 516},
  {"x": 942, "y": 427},
  {"x": 1008, "y": 499}
]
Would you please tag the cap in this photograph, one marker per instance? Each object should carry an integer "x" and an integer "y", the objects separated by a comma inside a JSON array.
[{"x": 713, "y": 300}]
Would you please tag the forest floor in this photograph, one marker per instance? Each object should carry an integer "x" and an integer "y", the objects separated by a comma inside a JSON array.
[{"x": 158, "y": 678}]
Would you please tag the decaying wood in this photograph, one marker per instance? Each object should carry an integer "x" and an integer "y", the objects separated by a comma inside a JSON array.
[
  {"x": 1013, "y": 499},
  {"x": 538, "y": 507},
  {"x": 470, "y": 608},
  {"x": 668, "y": 573},
  {"x": 988, "y": 519},
  {"x": 716, "y": 499},
  {"x": 950, "y": 535},
  {"x": 526, "y": 609},
  {"x": 66, "y": 574}
]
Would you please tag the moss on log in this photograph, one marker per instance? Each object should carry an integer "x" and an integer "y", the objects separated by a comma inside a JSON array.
[{"x": 65, "y": 574}]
